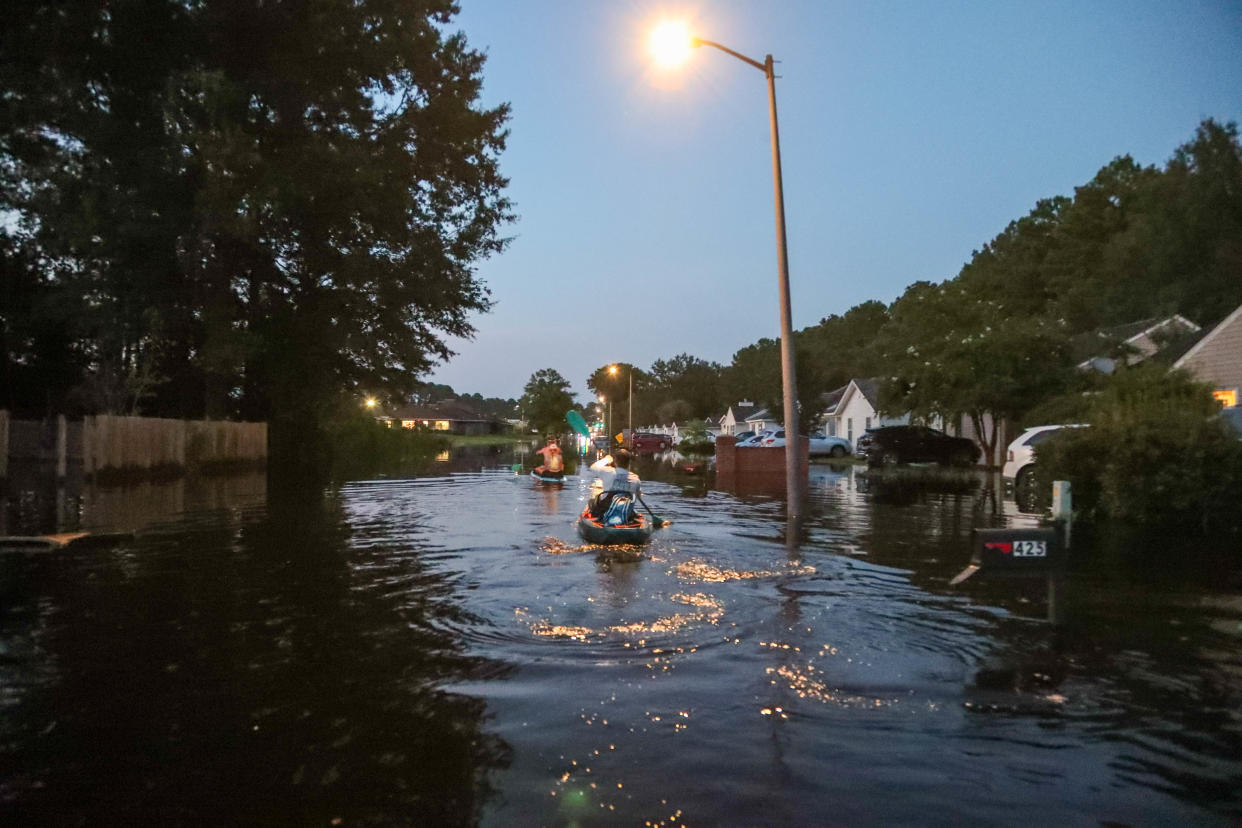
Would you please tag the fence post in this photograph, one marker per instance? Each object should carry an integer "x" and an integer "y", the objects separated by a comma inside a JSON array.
[
  {"x": 62, "y": 448},
  {"x": 4, "y": 444}
]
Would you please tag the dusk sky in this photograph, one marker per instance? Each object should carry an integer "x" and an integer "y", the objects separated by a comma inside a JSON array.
[{"x": 911, "y": 134}]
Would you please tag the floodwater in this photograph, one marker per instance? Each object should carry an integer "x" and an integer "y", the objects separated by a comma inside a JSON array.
[{"x": 441, "y": 649}]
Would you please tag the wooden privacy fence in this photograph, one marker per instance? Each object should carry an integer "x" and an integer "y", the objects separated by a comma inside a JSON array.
[
  {"x": 107, "y": 443},
  {"x": 111, "y": 442}
]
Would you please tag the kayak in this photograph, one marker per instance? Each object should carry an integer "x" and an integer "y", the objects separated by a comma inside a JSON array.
[
  {"x": 593, "y": 531},
  {"x": 539, "y": 478}
]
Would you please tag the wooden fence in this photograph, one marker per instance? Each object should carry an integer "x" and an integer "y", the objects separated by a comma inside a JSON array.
[{"x": 110, "y": 443}]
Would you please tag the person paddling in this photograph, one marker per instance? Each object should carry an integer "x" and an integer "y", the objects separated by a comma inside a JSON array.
[
  {"x": 553, "y": 462},
  {"x": 617, "y": 478}
]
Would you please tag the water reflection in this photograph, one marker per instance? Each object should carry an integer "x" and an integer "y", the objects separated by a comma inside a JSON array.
[
  {"x": 442, "y": 648},
  {"x": 240, "y": 668}
]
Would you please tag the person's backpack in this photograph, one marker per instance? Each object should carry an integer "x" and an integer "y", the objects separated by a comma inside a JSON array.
[{"x": 620, "y": 510}]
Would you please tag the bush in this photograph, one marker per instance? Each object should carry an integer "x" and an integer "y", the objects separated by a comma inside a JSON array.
[
  {"x": 1156, "y": 454},
  {"x": 362, "y": 445}
]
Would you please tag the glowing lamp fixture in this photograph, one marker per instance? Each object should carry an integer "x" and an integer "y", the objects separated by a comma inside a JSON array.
[{"x": 671, "y": 43}]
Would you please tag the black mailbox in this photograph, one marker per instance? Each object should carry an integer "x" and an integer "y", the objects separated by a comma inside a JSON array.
[{"x": 1015, "y": 553}]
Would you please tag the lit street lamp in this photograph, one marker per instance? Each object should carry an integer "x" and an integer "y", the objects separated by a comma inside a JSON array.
[{"x": 671, "y": 44}]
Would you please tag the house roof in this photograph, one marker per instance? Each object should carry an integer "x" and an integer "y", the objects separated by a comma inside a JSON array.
[
  {"x": 1088, "y": 346},
  {"x": 831, "y": 399},
  {"x": 759, "y": 414},
  {"x": 870, "y": 388},
  {"x": 742, "y": 412}
]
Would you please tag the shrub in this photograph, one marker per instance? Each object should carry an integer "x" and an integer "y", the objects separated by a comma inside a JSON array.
[
  {"x": 362, "y": 445},
  {"x": 1156, "y": 454}
]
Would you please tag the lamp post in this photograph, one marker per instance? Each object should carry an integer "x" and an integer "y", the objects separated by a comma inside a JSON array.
[
  {"x": 672, "y": 39},
  {"x": 629, "y": 417}
]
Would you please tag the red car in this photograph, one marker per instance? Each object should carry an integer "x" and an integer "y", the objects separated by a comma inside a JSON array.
[{"x": 646, "y": 441}]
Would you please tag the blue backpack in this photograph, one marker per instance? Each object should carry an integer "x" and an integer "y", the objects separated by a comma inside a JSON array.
[{"x": 620, "y": 511}]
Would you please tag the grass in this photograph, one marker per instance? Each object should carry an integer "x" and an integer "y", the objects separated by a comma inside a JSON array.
[{"x": 490, "y": 439}]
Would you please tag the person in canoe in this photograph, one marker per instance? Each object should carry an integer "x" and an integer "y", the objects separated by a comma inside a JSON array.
[
  {"x": 553, "y": 462},
  {"x": 621, "y": 488}
]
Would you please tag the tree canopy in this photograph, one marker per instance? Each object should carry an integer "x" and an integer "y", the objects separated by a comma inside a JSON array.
[
  {"x": 545, "y": 400},
  {"x": 243, "y": 208}
]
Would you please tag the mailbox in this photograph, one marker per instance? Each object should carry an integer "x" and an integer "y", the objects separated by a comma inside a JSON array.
[{"x": 1015, "y": 553}]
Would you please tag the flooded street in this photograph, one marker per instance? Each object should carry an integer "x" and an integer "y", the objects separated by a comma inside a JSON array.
[{"x": 442, "y": 649}]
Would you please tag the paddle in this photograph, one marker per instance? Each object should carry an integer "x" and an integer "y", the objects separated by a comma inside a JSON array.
[
  {"x": 577, "y": 423},
  {"x": 659, "y": 522}
]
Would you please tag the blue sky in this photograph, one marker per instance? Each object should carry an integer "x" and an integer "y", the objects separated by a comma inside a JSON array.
[{"x": 911, "y": 134}]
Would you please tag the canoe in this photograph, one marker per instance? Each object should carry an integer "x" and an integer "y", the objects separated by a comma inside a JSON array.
[
  {"x": 593, "y": 531},
  {"x": 539, "y": 478}
]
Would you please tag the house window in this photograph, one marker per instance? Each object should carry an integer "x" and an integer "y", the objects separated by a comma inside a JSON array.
[
  {"x": 849, "y": 428},
  {"x": 407, "y": 424},
  {"x": 442, "y": 425},
  {"x": 1226, "y": 396},
  {"x": 832, "y": 428},
  {"x": 868, "y": 423}
]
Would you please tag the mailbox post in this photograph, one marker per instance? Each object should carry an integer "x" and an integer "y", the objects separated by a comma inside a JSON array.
[{"x": 1019, "y": 553}]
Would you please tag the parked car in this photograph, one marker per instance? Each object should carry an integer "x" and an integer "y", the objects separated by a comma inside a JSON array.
[
  {"x": 914, "y": 444},
  {"x": 757, "y": 439},
  {"x": 819, "y": 445},
  {"x": 743, "y": 436},
  {"x": 646, "y": 441},
  {"x": 1020, "y": 458}
]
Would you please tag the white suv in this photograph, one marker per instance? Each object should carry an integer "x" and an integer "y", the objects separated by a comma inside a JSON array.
[{"x": 1021, "y": 457}]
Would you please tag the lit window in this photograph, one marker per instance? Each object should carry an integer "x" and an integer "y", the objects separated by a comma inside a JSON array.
[
  {"x": 442, "y": 425},
  {"x": 1226, "y": 396}
]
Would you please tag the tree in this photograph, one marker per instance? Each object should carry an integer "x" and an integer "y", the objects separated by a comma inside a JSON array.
[
  {"x": 692, "y": 386},
  {"x": 950, "y": 353},
  {"x": 545, "y": 400},
  {"x": 272, "y": 205}
]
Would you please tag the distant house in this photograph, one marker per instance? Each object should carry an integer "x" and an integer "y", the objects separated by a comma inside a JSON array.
[
  {"x": 1217, "y": 359},
  {"x": 734, "y": 419},
  {"x": 451, "y": 416},
  {"x": 1104, "y": 349},
  {"x": 855, "y": 411},
  {"x": 761, "y": 420}
]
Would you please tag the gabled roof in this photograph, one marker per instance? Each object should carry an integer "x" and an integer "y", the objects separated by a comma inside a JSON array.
[
  {"x": 759, "y": 414},
  {"x": 869, "y": 387},
  {"x": 742, "y": 412},
  {"x": 831, "y": 399},
  {"x": 1087, "y": 348}
]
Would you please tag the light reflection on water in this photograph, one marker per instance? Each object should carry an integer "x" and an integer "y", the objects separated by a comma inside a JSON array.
[{"x": 728, "y": 674}]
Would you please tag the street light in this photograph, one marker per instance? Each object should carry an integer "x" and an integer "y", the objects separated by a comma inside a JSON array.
[
  {"x": 608, "y": 422},
  {"x": 671, "y": 44},
  {"x": 629, "y": 417}
]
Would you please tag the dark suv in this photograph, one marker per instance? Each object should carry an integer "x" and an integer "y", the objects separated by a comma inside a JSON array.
[{"x": 914, "y": 444}]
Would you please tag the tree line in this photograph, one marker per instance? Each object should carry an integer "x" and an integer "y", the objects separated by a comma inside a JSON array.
[{"x": 1135, "y": 242}]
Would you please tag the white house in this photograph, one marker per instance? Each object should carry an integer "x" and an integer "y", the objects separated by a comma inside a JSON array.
[
  {"x": 734, "y": 419},
  {"x": 856, "y": 411}
]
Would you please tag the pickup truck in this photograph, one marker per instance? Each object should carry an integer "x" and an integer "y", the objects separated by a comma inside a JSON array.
[{"x": 646, "y": 441}]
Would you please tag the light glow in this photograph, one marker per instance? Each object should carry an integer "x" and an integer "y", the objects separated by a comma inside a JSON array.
[{"x": 670, "y": 43}]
